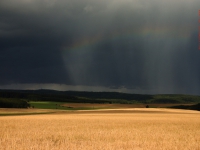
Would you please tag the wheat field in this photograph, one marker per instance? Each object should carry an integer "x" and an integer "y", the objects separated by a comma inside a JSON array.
[{"x": 122, "y": 129}]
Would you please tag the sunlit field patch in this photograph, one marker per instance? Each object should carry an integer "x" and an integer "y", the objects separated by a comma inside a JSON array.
[
  {"x": 129, "y": 129},
  {"x": 17, "y": 111}
]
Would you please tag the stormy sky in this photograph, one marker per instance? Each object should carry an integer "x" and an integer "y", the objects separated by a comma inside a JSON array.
[{"x": 135, "y": 46}]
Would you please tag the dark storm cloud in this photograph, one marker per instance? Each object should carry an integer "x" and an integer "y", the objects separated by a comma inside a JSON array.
[
  {"x": 29, "y": 44},
  {"x": 159, "y": 56}
]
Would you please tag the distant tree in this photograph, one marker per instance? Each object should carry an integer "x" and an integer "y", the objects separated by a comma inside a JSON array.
[{"x": 13, "y": 103}]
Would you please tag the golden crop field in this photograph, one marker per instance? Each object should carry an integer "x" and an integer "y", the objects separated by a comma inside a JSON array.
[
  {"x": 21, "y": 111},
  {"x": 121, "y": 129}
]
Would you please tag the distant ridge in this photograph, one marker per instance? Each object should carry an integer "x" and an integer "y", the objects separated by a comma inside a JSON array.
[{"x": 110, "y": 97}]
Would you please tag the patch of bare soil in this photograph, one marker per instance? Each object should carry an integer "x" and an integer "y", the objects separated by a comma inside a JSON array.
[{"x": 90, "y": 105}]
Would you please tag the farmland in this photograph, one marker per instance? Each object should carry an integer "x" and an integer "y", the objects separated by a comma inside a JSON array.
[
  {"x": 127, "y": 128},
  {"x": 73, "y": 100},
  {"x": 16, "y": 112},
  {"x": 43, "y": 120}
]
